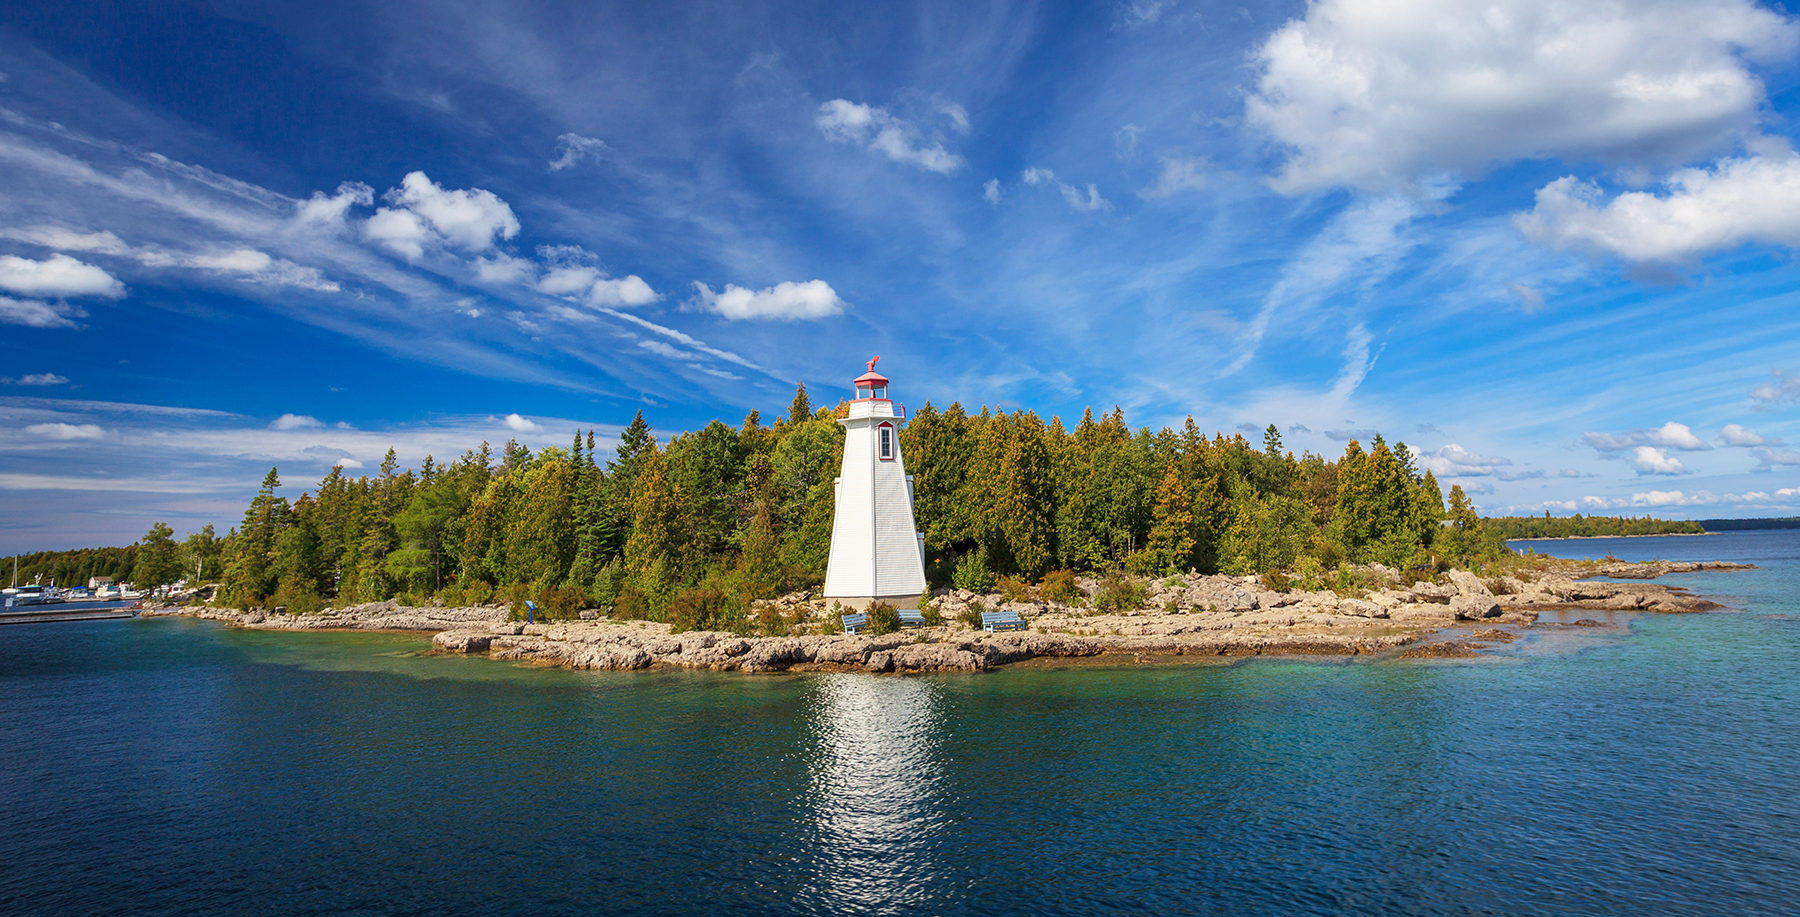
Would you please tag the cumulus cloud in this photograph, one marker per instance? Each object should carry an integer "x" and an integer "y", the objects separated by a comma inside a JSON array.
[
  {"x": 1738, "y": 201},
  {"x": 786, "y": 301},
  {"x": 1651, "y": 460},
  {"x": 57, "y": 276},
  {"x": 1674, "y": 498},
  {"x": 1383, "y": 93},
  {"x": 35, "y": 379},
  {"x": 295, "y": 422},
  {"x": 1781, "y": 390},
  {"x": 1037, "y": 176},
  {"x": 844, "y": 121},
  {"x": 66, "y": 430},
  {"x": 591, "y": 285},
  {"x": 503, "y": 268},
  {"x": 1455, "y": 461},
  {"x": 520, "y": 424},
  {"x": 990, "y": 191},
  {"x": 425, "y": 212},
  {"x": 1671, "y": 435},
  {"x": 34, "y": 313},
  {"x": 573, "y": 148},
  {"x": 1088, "y": 204},
  {"x": 1178, "y": 175},
  {"x": 1736, "y": 435},
  {"x": 331, "y": 209}
]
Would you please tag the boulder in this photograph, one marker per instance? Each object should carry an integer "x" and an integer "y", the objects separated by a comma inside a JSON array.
[
  {"x": 1474, "y": 608},
  {"x": 463, "y": 641},
  {"x": 1468, "y": 584},
  {"x": 1360, "y": 608}
]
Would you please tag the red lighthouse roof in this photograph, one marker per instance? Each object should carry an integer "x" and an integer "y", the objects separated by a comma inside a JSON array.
[{"x": 872, "y": 377}]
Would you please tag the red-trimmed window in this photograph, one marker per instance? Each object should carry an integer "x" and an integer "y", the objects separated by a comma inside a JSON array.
[{"x": 885, "y": 441}]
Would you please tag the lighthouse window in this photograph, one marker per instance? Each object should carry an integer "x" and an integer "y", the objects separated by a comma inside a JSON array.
[{"x": 887, "y": 443}]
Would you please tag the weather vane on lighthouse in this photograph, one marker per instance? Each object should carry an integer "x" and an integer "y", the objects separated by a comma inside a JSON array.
[{"x": 877, "y": 553}]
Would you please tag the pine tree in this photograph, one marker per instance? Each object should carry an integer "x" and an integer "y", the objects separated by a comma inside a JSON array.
[
  {"x": 801, "y": 409},
  {"x": 1170, "y": 548},
  {"x": 158, "y": 558}
]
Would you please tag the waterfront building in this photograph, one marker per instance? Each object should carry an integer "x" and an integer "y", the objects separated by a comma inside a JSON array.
[{"x": 877, "y": 553}]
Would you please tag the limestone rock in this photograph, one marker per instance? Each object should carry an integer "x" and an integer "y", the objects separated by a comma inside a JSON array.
[
  {"x": 1361, "y": 609},
  {"x": 1474, "y": 608},
  {"x": 1468, "y": 584},
  {"x": 462, "y": 641}
]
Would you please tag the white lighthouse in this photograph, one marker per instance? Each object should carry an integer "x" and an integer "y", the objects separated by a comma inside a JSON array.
[{"x": 877, "y": 554}]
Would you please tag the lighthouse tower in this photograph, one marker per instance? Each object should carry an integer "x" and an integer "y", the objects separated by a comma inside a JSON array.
[{"x": 876, "y": 552}]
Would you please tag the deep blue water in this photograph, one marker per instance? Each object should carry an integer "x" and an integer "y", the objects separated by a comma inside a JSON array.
[{"x": 176, "y": 767}]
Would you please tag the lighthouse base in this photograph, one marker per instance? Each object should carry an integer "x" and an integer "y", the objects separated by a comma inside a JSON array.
[{"x": 862, "y": 602}]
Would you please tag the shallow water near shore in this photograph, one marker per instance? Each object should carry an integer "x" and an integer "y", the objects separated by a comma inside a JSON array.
[{"x": 174, "y": 766}]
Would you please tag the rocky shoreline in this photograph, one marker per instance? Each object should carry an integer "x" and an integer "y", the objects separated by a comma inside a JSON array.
[{"x": 1190, "y": 616}]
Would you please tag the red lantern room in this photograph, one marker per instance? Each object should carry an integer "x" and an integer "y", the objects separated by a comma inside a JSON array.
[{"x": 871, "y": 386}]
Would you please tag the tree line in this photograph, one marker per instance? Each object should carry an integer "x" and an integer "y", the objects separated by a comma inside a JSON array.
[
  {"x": 710, "y": 520},
  {"x": 1579, "y": 526}
]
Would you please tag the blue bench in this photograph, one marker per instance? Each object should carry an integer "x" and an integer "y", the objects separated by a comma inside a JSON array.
[
  {"x": 912, "y": 618},
  {"x": 993, "y": 621},
  {"x": 855, "y": 623}
]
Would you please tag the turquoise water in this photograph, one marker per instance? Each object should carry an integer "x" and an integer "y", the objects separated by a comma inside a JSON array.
[{"x": 166, "y": 766}]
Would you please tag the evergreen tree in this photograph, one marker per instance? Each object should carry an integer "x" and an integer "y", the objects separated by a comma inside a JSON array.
[
  {"x": 1171, "y": 544},
  {"x": 158, "y": 558}
]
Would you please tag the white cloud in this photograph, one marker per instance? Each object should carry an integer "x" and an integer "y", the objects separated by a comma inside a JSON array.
[
  {"x": 503, "y": 268},
  {"x": 1035, "y": 175},
  {"x": 1737, "y": 201},
  {"x": 1767, "y": 458},
  {"x": 243, "y": 260},
  {"x": 630, "y": 290},
  {"x": 573, "y": 148},
  {"x": 1455, "y": 461},
  {"x": 295, "y": 422},
  {"x": 592, "y": 286},
  {"x": 1674, "y": 498},
  {"x": 1092, "y": 202},
  {"x": 323, "y": 209},
  {"x": 425, "y": 212},
  {"x": 66, "y": 430},
  {"x": 1671, "y": 435},
  {"x": 258, "y": 267},
  {"x": 1651, "y": 460},
  {"x": 1736, "y": 435},
  {"x": 958, "y": 115},
  {"x": 33, "y": 313},
  {"x": 1382, "y": 93},
  {"x": 661, "y": 349},
  {"x": 786, "y": 301},
  {"x": 990, "y": 191},
  {"x": 36, "y": 379},
  {"x": 59, "y": 275},
  {"x": 1178, "y": 175},
  {"x": 68, "y": 240},
  {"x": 844, "y": 121},
  {"x": 519, "y": 424},
  {"x": 1783, "y": 389}
]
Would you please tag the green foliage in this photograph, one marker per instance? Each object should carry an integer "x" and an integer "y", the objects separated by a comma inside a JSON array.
[
  {"x": 1014, "y": 589},
  {"x": 883, "y": 618},
  {"x": 706, "y": 608},
  {"x": 158, "y": 558},
  {"x": 1507, "y": 528},
  {"x": 1119, "y": 593},
  {"x": 972, "y": 573},
  {"x": 929, "y": 610},
  {"x": 971, "y": 615},
  {"x": 1059, "y": 586}
]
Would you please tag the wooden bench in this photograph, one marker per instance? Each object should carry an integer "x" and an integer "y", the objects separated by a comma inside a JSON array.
[
  {"x": 909, "y": 618},
  {"x": 993, "y": 621},
  {"x": 855, "y": 623}
]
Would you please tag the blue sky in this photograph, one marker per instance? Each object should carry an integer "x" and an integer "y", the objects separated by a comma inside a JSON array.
[{"x": 1550, "y": 245}]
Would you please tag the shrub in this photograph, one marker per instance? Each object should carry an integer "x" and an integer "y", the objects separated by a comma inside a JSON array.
[
  {"x": 1013, "y": 589},
  {"x": 771, "y": 623},
  {"x": 561, "y": 604},
  {"x": 630, "y": 605},
  {"x": 972, "y": 573},
  {"x": 1276, "y": 581},
  {"x": 1059, "y": 586},
  {"x": 929, "y": 610},
  {"x": 1310, "y": 573},
  {"x": 883, "y": 618},
  {"x": 972, "y": 615},
  {"x": 705, "y": 608},
  {"x": 1119, "y": 592}
]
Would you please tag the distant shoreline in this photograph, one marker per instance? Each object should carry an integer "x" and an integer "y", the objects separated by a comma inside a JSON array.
[{"x": 1594, "y": 537}]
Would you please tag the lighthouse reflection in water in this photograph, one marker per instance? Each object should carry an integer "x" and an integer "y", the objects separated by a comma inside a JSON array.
[{"x": 877, "y": 786}]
